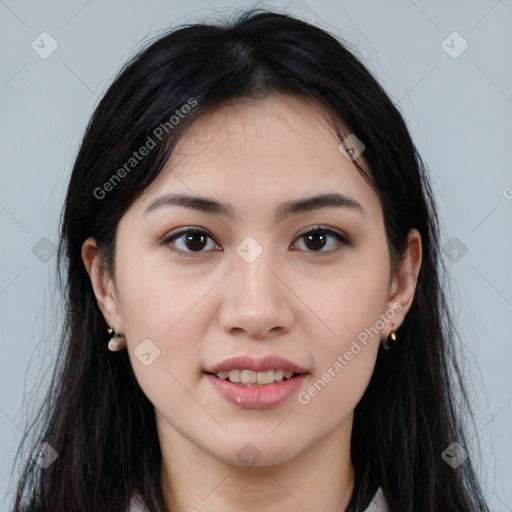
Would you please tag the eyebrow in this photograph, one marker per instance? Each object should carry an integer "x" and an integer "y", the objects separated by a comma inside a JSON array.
[{"x": 209, "y": 205}]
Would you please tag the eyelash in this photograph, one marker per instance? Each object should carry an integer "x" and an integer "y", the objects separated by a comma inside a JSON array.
[{"x": 340, "y": 240}]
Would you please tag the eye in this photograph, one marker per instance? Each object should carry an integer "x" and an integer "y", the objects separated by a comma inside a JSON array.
[
  {"x": 196, "y": 240},
  {"x": 192, "y": 240},
  {"x": 317, "y": 238}
]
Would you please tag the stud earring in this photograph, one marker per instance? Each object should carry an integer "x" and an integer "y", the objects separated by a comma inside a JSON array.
[
  {"x": 385, "y": 344},
  {"x": 116, "y": 342}
]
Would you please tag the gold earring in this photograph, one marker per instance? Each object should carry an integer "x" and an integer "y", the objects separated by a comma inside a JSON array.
[
  {"x": 116, "y": 342},
  {"x": 385, "y": 344}
]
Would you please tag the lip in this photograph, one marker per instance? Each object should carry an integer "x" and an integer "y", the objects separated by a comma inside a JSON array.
[
  {"x": 256, "y": 397},
  {"x": 256, "y": 365}
]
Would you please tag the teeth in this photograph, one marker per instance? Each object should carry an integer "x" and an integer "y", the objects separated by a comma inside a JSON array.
[
  {"x": 265, "y": 377},
  {"x": 251, "y": 377},
  {"x": 278, "y": 374},
  {"x": 248, "y": 377},
  {"x": 233, "y": 375}
]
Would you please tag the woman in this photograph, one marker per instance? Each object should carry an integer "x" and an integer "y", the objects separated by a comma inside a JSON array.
[{"x": 249, "y": 223}]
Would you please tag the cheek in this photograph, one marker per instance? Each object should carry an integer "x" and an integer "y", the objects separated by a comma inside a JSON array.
[
  {"x": 332, "y": 395},
  {"x": 350, "y": 299},
  {"x": 156, "y": 295},
  {"x": 350, "y": 305},
  {"x": 165, "y": 317},
  {"x": 344, "y": 362},
  {"x": 161, "y": 306}
]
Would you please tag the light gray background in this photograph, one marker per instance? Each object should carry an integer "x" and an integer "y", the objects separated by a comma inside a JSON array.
[{"x": 459, "y": 111}]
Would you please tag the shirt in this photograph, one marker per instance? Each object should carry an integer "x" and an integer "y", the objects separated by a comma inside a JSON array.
[{"x": 378, "y": 504}]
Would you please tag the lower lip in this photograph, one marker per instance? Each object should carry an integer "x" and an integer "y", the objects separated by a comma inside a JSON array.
[{"x": 256, "y": 397}]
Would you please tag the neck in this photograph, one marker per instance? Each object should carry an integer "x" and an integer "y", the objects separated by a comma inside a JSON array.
[{"x": 319, "y": 478}]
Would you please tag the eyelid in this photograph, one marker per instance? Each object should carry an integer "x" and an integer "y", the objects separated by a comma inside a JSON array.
[
  {"x": 181, "y": 231},
  {"x": 171, "y": 236},
  {"x": 342, "y": 241},
  {"x": 326, "y": 229}
]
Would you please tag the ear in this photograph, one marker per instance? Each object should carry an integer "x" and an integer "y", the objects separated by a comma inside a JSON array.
[
  {"x": 403, "y": 285},
  {"x": 102, "y": 284}
]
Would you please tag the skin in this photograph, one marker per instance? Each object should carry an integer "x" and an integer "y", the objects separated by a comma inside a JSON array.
[{"x": 295, "y": 300}]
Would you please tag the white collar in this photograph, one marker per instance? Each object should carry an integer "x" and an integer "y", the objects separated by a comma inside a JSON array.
[{"x": 379, "y": 503}]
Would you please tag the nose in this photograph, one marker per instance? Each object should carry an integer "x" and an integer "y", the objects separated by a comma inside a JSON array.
[{"x": 257, "y": 299}]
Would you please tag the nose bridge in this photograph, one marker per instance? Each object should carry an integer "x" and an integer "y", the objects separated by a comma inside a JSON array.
[
  {"x": 252, "y": 266},
  {"x": 256, "y": 300}
]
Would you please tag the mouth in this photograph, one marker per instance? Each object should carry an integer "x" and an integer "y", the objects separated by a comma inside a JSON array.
[
  {"x": 271, "y": 388},
  {"x": 256, "y": 383},
  {"x": 249, "y": 378}
]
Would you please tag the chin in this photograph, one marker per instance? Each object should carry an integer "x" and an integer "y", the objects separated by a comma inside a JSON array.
[{"x": 258, "y": 452}]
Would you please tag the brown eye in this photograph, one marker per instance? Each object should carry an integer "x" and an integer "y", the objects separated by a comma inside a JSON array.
[
  {"x": 195, "y": 241},
  {"x": 317, "y": 239},
  {"x": 190, "y": 241}
]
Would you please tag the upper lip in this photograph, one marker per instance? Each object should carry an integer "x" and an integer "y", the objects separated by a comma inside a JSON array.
[{"x": 256, "y": 365}]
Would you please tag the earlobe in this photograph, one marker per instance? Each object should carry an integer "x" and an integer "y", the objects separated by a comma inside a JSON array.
[{"x": 101, "y": 281}]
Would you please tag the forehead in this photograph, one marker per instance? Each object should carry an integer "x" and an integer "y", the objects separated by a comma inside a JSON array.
[
  {"x": 280, "y": 122},
  {"x": 253, "y": 153}
]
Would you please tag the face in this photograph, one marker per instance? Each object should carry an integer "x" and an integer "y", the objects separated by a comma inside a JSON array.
[{"x": 194, "y": 287}]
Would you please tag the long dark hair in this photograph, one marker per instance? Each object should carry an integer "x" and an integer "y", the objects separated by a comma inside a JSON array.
[{"x": 96, "y": 416}]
